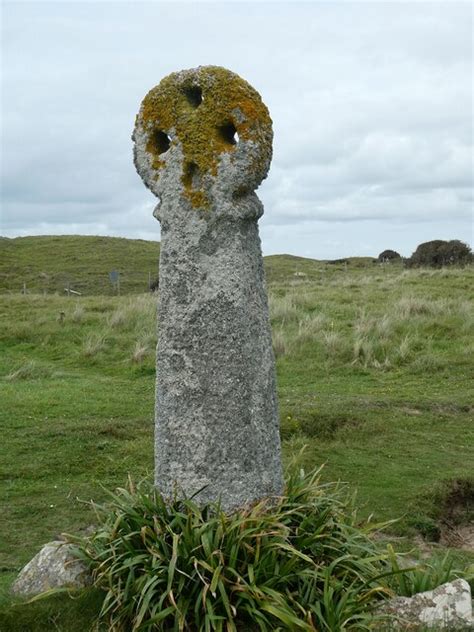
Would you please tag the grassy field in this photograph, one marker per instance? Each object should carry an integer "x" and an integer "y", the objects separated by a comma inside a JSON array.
[
  {"x": 49, "y": 264},
  {"x": 375, "y": 368}
]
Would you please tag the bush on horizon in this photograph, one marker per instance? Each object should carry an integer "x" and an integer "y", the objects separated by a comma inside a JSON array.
[{"x": 439, "y": 253}]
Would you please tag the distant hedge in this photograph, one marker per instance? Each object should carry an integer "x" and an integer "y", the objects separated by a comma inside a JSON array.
[
  {"x": 388, "y": 255},
  {"x": 438, "y": 253}
]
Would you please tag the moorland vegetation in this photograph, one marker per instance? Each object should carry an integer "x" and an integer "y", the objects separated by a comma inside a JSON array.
[{"x": 374, "y": 366}]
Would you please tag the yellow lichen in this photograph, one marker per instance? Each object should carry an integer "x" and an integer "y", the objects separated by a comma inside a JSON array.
[{"x": 201, "y": 109}]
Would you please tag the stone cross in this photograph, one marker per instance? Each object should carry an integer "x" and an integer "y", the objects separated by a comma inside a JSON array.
[{"x": 203, "y": 143}]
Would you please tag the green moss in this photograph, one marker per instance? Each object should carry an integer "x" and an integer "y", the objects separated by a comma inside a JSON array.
[{"x": 202, "y": 108}]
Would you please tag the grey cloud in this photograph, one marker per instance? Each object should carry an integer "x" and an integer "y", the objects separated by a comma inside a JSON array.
[{"x": 372, "y": 110}]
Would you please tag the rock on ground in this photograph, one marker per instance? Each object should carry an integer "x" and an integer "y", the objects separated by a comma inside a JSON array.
[
  {"x": 446, "y": 606},
  {"x": 54, "y": 566}
]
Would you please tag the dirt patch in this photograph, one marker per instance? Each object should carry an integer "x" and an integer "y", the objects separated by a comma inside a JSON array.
[
  {"x": 457, "y": 503},
  {"x": 451, "y": 522},
  {"x": 315, "y": 424},
  {"x": 458, "y": 537},
  {"x": 411, "y": 411},
  {"x": 457, "y": 515}
]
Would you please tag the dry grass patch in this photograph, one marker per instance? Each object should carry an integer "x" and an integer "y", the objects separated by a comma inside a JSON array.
[
  {"x": 310, "y": 326},
  {"x": 280, "y": 343},
  {"x": 93, "y": 344},
  {"x": 78, "y": 314},
  {"x": 282, "y": 308},
  {"x": 30, "y": 370}
]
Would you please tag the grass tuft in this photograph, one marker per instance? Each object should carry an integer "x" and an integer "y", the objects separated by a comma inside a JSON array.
[
  {"x": 140, "y": 351},
  {"x": 280, "y": 343},
  {"x": 93, "y": 344},
  {"x": 30, "y": 370},
  {"x": 78, "y": 314}
]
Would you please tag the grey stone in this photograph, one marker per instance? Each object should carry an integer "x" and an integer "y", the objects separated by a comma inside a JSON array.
[
  {"x": 217, "y": 428},
  {"x": 55, "y": 566},
  {"x": 446, "y": 606}
]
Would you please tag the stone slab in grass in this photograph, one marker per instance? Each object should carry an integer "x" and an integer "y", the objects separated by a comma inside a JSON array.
[
  {"x": 446, "y": 606},
  {"x": 55, "y": 566}
]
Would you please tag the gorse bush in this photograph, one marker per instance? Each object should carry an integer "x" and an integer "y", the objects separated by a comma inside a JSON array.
[
  {"x": 388, "y": 255},
  {"x": 438, "y": 253},
  {"x": 300, "y": 563}
]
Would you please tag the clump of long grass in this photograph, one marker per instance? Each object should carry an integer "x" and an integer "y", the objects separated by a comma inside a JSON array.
[
  {"x": 333, "y": 342},
  {"x": 298, "y": 562},
  {"x": 282, "y": 308},
  {"x": 371, "y": 341},
  {"x": 372, "y": 325},
  {"x": 465, "y": 312},
  {"x": 133, "y": 314},
  {"x": 142, "y": 348},
  {"x": 409, "y": 306},
  {"x": 30, "y": 370},
  {"x": 118, "y": 318},
  {"x": 140, "y": 352},
  {"x": 304, "y": 299},
  {"x": 310, "y": 326},
  {"x": 93, "y": 344},
  {"x": 371, "y": 352},
  {"x": 78, "y": 314},
  {"x": 381, "y": 342},
  {"x": 280, "y": 342}
]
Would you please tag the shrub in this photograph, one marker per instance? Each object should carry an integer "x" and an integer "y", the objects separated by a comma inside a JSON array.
[
  {"x": 297, "y": 563},
  {"x": 438, "y": 253},
  {"x": 387, "y": 256}
]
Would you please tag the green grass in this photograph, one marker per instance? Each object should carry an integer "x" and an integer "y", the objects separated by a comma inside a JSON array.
[
  {"x": 52, "y": 263},
  {"x": 374, "y": 367}
]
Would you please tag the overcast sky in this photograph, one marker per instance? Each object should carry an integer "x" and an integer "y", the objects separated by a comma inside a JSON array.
[{"x": 371, "y": 105}]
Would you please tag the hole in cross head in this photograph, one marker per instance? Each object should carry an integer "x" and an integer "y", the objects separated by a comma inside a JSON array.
[
  {"x": 228, "y": 133},
  {"x": 194, "y": 95},
  {"x": 162, "y": 142},
  {"x": 190, "y": 171}
]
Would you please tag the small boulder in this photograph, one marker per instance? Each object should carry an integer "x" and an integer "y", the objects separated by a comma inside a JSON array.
[
  {"x": 446, "y": 606},
  {"x": 55, "y": 566}
]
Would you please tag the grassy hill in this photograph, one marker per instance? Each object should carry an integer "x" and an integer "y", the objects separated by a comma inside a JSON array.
[
  {"x": 374, "y": 371},
  {"x": 49, "y": 264}
]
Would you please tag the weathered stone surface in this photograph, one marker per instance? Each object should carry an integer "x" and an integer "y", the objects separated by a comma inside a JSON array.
[
  {"x": 203, "y": 144},
  {"x": 53, "y": 567},
  {"x": 445, "y": 606}
]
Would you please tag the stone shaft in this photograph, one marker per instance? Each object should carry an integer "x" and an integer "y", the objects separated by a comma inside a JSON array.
[{"x": 216, "y": 410}]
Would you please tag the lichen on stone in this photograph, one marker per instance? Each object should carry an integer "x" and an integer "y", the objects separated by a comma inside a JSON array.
[{"x": 208, "y": 112}]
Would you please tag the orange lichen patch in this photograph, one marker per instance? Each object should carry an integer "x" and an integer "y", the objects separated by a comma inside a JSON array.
[{"x": 205, "y": 109}]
